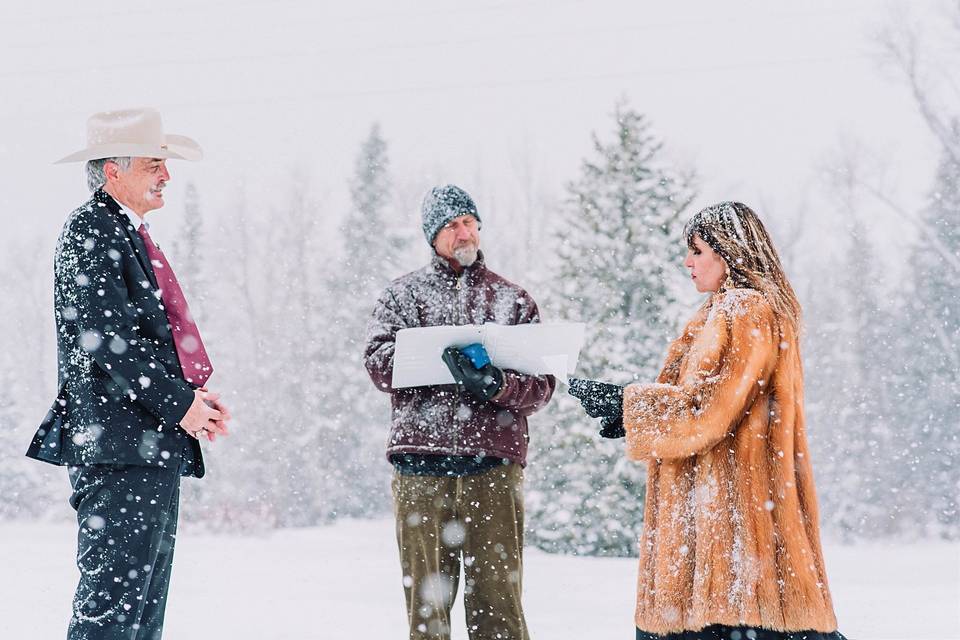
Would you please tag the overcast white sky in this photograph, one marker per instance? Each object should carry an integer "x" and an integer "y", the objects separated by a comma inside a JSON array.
[{"x": 753, "y": 94}]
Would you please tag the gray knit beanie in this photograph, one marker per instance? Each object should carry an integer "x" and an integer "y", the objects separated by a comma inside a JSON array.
[{"x": 443, "y": 204}]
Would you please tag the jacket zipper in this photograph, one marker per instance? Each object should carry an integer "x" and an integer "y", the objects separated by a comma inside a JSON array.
[
  {"x": 458, "y": 286},
  {"x": 460, "y": 289}
]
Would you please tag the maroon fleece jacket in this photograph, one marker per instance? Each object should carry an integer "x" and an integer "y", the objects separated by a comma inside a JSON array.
[{"x": 440, "y": 419}]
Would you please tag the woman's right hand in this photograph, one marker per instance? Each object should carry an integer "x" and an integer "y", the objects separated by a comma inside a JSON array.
[{"x": 599, "y": 399}]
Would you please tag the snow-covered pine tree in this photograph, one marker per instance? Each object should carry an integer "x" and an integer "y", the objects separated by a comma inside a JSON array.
[
  {"x": 376, "y": 236},
  {"x": 190, "y": 258},
  {"x": 848, "y": 388},
  {"x": 298, "y": 289},
  {"x": 619, "y": 251},
  {"x": 931, "y": 403},
  {"x": 30, "y": 490},
  {"x": 375, "y": 239},
  {"x": 188, "y": 253}
]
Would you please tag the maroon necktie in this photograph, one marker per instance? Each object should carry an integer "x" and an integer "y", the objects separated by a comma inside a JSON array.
[{"x": 186, "y": 337}]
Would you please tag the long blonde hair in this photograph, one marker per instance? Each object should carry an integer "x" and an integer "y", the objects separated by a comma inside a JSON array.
[{"x": 734, "y": 231}]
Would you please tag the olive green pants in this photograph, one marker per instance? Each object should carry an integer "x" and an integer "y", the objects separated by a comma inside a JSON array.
[{"x": 477, "y": 518}]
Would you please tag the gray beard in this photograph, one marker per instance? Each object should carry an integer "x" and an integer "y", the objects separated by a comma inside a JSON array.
[{"x": 465, "y": 256}]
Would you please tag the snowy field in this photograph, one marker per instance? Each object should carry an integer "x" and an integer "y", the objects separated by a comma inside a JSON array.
[{"x": 343, "y": 582}]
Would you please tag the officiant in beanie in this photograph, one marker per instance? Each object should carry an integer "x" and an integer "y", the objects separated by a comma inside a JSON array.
[{"x": 458, "y": 450}]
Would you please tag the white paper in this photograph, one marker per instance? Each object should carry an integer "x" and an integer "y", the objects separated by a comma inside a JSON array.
[{"x": 535, "y": 349}]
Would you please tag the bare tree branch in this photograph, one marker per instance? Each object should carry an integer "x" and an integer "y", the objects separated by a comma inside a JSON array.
[
  {"x": 946, "y": 344},
  {"x": 901, "y": 44},
  {"x": 929, "y": 235}
]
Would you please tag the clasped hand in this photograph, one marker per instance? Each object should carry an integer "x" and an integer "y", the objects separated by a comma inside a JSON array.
[
  {"x": 207, "y": 416},
  {"x": 601, "y": 400}
]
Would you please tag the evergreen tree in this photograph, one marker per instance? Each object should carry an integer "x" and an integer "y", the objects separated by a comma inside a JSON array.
[
  {"x": 295, "y": 418},
  {"x": 375, "y": 240},
  {"x": 31, "y": 490},
  {"x": 188, "y": 255},
  {"x": 933, "y": 364},
  {"x": 848, "y": 399},
  {"x": 619, "y": 269},
  {"x": 375, "y": 236}
]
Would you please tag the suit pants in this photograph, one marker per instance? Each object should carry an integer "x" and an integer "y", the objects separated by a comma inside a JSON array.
[
  {"x": 477, "y": 519},
  {"x": 128, "y": 524}
]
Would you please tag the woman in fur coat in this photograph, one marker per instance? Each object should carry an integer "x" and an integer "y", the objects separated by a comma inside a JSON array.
[{"x": 731, "y": 544}]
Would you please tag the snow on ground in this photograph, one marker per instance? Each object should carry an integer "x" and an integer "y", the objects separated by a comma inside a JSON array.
[{"x": 343, "y": 581}]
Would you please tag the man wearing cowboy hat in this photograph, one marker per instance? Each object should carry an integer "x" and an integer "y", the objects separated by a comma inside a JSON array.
[{"x": 132, "y": 402}]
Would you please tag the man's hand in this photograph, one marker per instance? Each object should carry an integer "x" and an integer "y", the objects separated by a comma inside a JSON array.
[
  {"x": 482, "y": 383},
  {"x": 206, "y": 416},
  {"x": 213, "y": 400},
  {"x": 599, "y": 399}
]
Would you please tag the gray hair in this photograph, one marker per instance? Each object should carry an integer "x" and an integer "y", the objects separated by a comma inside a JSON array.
[{"x": 96, "y": 177}]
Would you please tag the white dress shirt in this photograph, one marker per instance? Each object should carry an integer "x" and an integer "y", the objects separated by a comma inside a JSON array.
[{"x": 135, "y": 220}]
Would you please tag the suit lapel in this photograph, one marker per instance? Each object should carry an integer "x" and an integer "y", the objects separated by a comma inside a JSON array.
[{"x": 139, "y": 248}]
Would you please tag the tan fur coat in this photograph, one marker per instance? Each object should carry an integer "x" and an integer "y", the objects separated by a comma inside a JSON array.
[{"x": 730, "y": 524}]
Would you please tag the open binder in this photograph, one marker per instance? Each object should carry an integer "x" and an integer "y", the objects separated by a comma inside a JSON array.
[{"x": 535, "y": 349}]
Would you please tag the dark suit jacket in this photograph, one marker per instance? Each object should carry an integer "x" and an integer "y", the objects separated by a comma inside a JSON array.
[{"x": 122, "y": 392}]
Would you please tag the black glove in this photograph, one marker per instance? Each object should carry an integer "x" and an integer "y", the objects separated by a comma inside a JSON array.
[
  {"x": 612, "y": 427},
  {"x": 482, "y": 383},
  {"x": 598, "y": 398}
]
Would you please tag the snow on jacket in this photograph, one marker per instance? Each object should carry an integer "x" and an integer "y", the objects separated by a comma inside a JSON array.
[
  {"x": 731, "y": 532},
  {"x": 121, "y": 392},
  {"x": 440, "y": 419}
]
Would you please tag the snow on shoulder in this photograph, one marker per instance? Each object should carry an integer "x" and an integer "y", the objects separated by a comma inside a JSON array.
[{"x": 736, "y": 303}]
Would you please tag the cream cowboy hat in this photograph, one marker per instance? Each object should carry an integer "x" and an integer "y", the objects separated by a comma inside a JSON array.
[{"x": 135, "y": 133}]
